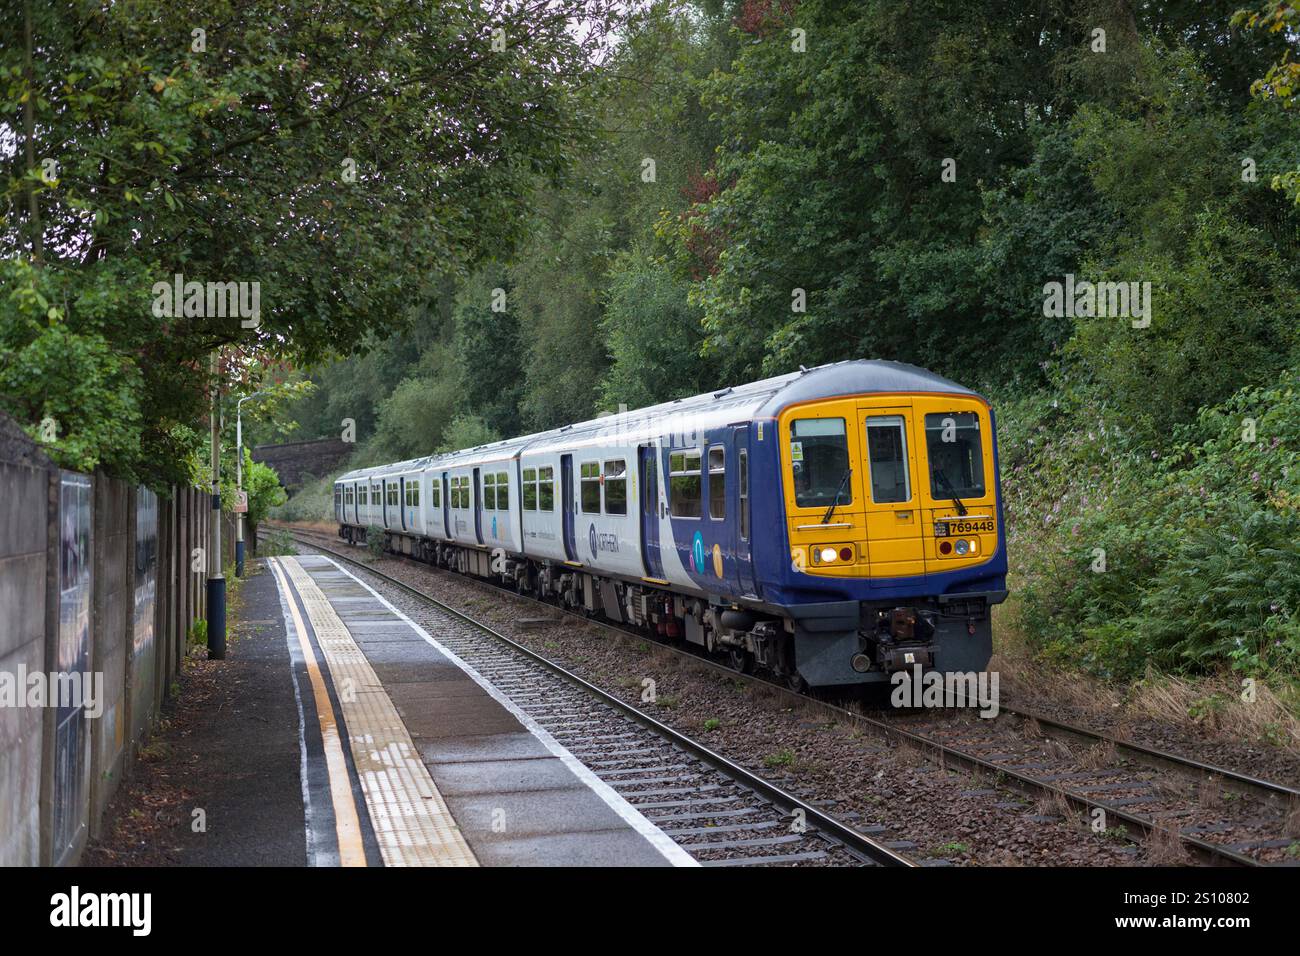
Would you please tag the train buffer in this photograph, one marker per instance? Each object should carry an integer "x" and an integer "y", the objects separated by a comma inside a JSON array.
[{"x": 409, "y": 757}]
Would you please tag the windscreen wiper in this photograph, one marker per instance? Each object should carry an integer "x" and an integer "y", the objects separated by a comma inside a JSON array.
[
  {"x": 961, "y": 508},
  {"x": 831, "y": 510}
]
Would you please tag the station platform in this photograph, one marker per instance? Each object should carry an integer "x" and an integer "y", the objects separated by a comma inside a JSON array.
[{"x": 411, "y": 758}]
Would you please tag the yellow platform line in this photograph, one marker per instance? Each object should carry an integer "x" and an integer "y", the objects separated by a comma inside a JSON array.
[
  {"x": 411, "y": 820},
  {"x": 347, "y": 823}
]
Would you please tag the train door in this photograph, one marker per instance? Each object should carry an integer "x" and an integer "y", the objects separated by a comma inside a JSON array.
[
  {"x": 743, "y": 529},
  {"x": 647, "y": 459},
  {"x": 478, "y": 509},
  {"x": 401, "y": 499},
  {"x": 567, "y": 504},
  {"x": 356, "y": 502},
  {"x": 446, "y": 506},
  {"x": 893, "y": 515}
]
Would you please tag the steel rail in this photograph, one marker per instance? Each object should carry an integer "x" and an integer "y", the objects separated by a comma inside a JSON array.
[{"x": 1135, "y": 826}]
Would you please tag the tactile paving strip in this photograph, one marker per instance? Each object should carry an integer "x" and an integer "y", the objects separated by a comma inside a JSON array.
[{"x": 411, "y": 821}]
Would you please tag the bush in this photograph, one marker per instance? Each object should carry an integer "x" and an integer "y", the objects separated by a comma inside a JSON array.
[
  {"x": 1186, "y": 560},
  {"x": 313, "y": 502},
  {"x": 375, "y": 540}
]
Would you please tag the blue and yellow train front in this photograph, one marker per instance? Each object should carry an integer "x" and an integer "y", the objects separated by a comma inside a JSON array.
[{"x": 893, "y": 522}]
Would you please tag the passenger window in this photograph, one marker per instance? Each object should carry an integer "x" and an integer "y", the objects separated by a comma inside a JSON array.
[
  {"x": 436, "y": 497},
  {"x": 546, "y": 489},
  {"x": 887, "y": 455},
  {"x": 684, "y": 483},
  {"x": 651, "y": 488},
  {"x": 717, "y": 482},
  {"x": 616, "y": 487},
  {"x": 743, "y": 468},
  {"x": 819, "y": 457},
  {"x": 503, "y": 492},
  {"x": 952, "y": 443},
  {"x": 392, "y": 494},
  {"x": 530, "y": 489},
  {"x": 590, "y": 496},
  {"x": 489, "y": 492}
]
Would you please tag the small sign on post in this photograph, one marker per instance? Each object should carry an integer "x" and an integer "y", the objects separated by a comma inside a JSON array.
[{"x": 241, "y": 502}]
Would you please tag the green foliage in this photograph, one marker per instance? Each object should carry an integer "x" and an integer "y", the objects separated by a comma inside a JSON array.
[
  {"x": 653, "y": 333},
  {"x": 71, "y": 379},
  {"x": 263, "y": 487},
  {"x": 466, "y": 431},
  {"x": 1200, "y": 543},
  {"x": 404, "y": 146},
  {"x": 313, "y": 502}
]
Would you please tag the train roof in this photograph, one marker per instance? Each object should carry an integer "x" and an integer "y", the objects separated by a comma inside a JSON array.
[{"x": 763, "y": 399}]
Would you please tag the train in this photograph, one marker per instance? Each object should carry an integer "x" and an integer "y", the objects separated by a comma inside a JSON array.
[{"x": 830, "y": 527}]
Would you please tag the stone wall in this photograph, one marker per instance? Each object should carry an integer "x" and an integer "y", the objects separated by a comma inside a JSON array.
[{"x": 295, "y": 461}]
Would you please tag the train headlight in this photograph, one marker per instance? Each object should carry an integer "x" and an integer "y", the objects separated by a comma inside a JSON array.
[
  {"x": 828, "y": 555},
  {"x": 962, "y": 547}
]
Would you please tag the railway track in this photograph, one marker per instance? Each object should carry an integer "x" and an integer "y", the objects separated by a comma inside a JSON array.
[
  {"x": 1039, "y": 760},
  {"x": 717, "y": 811}
]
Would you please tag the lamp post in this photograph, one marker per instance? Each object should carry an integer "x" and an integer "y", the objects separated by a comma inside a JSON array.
[
  {"x": 239, "y": 482},
  {"x": 216, "y": 580}
]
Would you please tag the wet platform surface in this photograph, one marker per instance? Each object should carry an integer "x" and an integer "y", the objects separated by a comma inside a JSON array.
[{"x": 413, "y": 759}]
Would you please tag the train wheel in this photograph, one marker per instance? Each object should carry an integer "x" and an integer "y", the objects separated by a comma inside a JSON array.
[
  {"x": 739, "y": 659},
  {"x": 796, "y": 683}
]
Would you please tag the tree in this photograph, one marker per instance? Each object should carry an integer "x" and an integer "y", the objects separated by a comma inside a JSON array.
[{"x": 256, "y": 142}]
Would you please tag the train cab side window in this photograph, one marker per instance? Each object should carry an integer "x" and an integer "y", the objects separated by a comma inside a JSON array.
[
  {"x": 819, "y": 458},
  {"x": 546, "y": 489},
  {"x": 887, "y": 456},
  {"x": 717, "y": 482},
  {"x": 952, "y": 443},
  {"x": 590, "y": 496},
  {"x": 503, "y": 491},
  {"x": 530, "y": 489},
  {"x": 616, "y": 487},
  {"x": 684, "y": 483},
  {"x": 743, "y": 468}
]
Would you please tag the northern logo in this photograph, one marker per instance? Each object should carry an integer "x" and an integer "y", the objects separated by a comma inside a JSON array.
[{"x": 601, "y": 542}]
